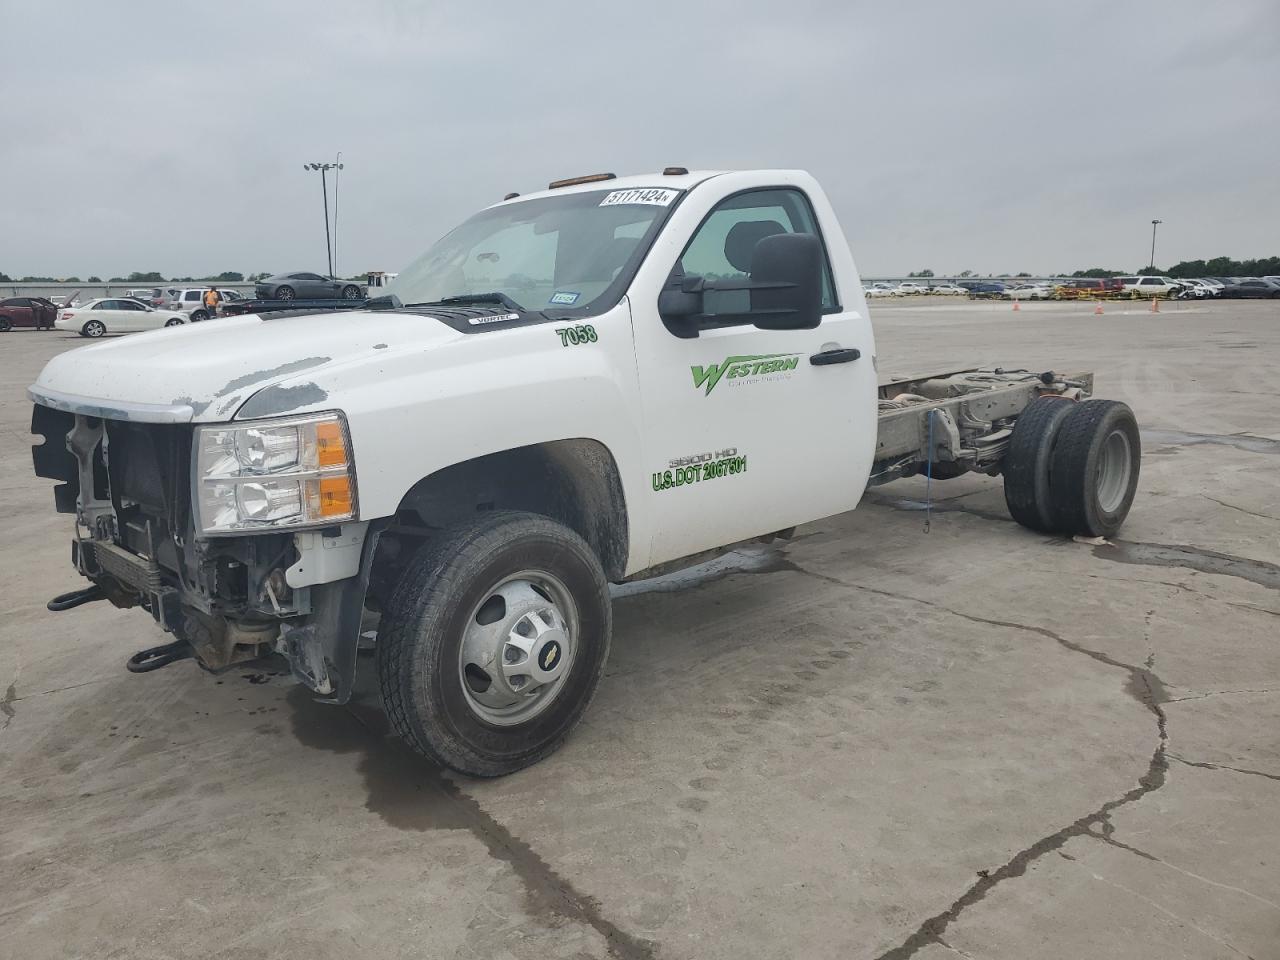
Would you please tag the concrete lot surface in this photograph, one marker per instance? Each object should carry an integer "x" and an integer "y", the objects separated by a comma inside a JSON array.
[{"x": 871, "y": 742}]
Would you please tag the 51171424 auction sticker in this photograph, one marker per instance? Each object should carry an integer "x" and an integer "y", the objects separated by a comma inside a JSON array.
[{"x": 653, "y": 196}]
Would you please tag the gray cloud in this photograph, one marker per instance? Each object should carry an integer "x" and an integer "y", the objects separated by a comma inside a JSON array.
[{"x": 986, "y": 136}]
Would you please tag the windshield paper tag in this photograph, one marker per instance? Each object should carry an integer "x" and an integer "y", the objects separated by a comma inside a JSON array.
[
  {"x": 564, "y": 297},
  {"x": 476, "y": 321},
  {"x": 654, "y": 196}
]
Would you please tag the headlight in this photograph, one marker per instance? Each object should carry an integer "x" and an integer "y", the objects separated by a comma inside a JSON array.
[{"x": 266, "y": 474}]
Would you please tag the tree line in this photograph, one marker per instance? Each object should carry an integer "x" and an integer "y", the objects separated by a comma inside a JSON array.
[
  {"x": 1217, "y": 267},
  {"x": 152, "y": 276}
]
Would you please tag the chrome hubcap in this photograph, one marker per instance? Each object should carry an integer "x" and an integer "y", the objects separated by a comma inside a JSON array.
[
  {"x": 518, "y": 648},
  {"x": 1114, "y": 465}
]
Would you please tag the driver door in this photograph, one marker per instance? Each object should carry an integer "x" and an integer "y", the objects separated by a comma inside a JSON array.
[{"x": 745, "y": 433}]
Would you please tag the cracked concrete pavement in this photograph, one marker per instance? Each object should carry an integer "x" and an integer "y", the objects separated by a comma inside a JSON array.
[{"x": 867, "y": 743}]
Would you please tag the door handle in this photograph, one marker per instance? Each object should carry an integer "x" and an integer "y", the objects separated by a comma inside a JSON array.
[{"x": 839, "y": 355}]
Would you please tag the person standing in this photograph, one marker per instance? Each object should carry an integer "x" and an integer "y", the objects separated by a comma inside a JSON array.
[{"x": 211, "y": 300}]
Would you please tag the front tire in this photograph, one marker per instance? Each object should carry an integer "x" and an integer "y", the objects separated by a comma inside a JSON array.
[
  {"x": 173, "y": 322},
  {"x": 351, "y": 293},
  {"x": 93, "y": 329},
  {"x": 5, "y": 324},
  {"x": 494, "y": 642}
]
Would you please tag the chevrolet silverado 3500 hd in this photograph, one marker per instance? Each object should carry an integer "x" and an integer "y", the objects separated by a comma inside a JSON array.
[{"x": 588, "y": 384}]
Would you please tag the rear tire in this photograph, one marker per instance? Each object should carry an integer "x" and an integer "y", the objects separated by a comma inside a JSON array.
[
  {"x": 285, "y": 293},
  {"x": 1027, "y": 462},
  {"x": 93, "y": 329},
  {"x": 1093, "y": 474},
  {"x": 5, "y": 324},
  {"x": 449, "y": 635}
]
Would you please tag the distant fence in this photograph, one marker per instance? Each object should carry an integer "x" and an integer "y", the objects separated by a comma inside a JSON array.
[{"x": 91, "y": 291}]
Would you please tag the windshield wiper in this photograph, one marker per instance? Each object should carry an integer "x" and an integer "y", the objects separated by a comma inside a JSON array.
[{"x": 494, "y": 297}]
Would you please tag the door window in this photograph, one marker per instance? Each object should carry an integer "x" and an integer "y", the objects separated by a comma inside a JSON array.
[{"x": 721, "y": 248}]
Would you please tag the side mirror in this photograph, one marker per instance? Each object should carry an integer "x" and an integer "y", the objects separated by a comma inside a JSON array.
[
  {"x": 680, "y": 303},
  {"x": 786, "y": 282}
]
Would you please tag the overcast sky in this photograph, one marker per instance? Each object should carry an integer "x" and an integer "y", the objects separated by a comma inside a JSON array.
[{"x": 994, "y": 137}]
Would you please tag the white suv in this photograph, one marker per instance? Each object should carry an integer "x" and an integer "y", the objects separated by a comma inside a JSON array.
[
  {"x": 1150, "y": 287},
  {"x": 191, "y": 302}
]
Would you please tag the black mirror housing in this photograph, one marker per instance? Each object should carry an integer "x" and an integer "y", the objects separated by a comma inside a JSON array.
[{"x": 786, "y": 274}]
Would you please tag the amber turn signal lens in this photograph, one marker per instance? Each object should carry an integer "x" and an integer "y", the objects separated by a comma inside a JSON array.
[
  {"x": 335, "y": 497},
  {"x": 331, "y": 450}
]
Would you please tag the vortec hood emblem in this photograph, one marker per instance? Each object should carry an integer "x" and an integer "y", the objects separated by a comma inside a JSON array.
[{"x": 476, "y": 321}]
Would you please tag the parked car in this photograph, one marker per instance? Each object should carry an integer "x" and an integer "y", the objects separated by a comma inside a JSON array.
[
  {"x": 948, "y": 289},
  {"x": 1029, "y": 291},
  {"x": 115, "y": 315},
  {"x": 1197, "y": 288},
  {"x": 142, "y": 295},
  {"x": 306, "y": 286},
  {"x": 1150, "y": 287},
  {"x": 879, "y": 290},
  {"x": 1256, "y": 289},
  {"x": 909, "y": 288},
  {"x": 190, "y": 302},
  {"x": 983, "y": 289},
  {"x": 34, "y": 312}
]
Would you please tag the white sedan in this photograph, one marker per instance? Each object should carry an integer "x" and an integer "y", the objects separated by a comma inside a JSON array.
[
  {"x": 1029, "y": 291},
  {"x": 948, "y": 289},
  {"x": 103, "y": 316}
]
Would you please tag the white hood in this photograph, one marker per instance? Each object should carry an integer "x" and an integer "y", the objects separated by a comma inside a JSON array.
[{"x": 205, "y": 372}]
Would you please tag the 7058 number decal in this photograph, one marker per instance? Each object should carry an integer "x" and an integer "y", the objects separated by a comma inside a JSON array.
[{"x": 573, "y": 336}]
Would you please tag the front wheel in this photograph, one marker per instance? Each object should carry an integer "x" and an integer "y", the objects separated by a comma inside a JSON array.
[
  {"x": 5, "y": 324},
  {"x": 173, "y": 322},
  {"x": 93, "y": 329},
  {"x": 494, "y": 642},
  {"x": 351, "y": 293}
]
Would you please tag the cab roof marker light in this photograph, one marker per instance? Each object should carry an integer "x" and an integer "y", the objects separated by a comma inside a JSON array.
[
  {"x": 574, "y": 181},
  {"x": 674, "y": 171},
  {"x": 511, "y": 196}
]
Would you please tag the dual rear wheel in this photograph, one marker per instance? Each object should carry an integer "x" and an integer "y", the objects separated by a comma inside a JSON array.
[{"x": 1072, "y": 468}]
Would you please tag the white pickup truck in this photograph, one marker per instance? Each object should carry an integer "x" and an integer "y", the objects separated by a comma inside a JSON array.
[{"x": 592, "y": 383}]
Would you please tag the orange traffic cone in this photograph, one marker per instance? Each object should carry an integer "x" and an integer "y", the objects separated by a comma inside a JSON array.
[
  {"x": 1155, "y": 305},
  {"x": 1097, "y": 311},
  {"x": 1016, "y": 308}
]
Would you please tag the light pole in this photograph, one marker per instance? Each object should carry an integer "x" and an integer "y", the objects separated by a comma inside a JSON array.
[
  {"x": 1154, "y": 224},
  {"x": 324, "y": 187},
  {"x": 337, "y": 162}
]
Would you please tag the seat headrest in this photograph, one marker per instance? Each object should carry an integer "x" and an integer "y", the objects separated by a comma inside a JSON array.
[{"x": 742, "y": 238}]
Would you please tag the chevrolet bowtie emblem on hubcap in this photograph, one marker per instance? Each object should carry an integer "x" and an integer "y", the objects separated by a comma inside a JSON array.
[{"x": 549, "y": 656}]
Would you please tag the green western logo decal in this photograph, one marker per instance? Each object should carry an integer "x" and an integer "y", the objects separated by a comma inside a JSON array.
[{"x": 735, "y": 367}]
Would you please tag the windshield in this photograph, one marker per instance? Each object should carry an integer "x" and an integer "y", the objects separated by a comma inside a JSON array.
[{"x": 559, "y": 252}]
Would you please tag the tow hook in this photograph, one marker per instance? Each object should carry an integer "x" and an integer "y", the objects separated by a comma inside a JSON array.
[
  {"x": 153, "y": 658},
  {"x": 76, "y": 598}
]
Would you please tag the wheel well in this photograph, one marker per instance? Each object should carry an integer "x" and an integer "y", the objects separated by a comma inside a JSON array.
[{"x": 574, "y": 482}]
